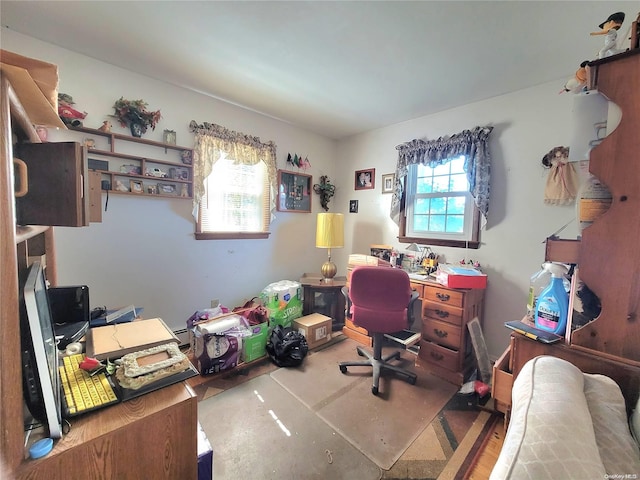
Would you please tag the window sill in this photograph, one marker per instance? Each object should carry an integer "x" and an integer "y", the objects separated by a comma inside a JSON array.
[
  {"x": 440, "y": 243},
  {"x": 232, "y": 235}
]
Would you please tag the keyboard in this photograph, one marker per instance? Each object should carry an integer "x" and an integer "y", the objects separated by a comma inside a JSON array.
[{"x": 82, "y": 392}]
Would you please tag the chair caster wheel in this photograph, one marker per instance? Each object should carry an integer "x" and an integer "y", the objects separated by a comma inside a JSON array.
[
  {"x": 343, "y": 369},
  {"x": 374, "y": 390},
  {"x": 361, "y": 353}
]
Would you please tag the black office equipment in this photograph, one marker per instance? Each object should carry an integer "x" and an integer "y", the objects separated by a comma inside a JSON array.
[{"x": 69, "y": 312}]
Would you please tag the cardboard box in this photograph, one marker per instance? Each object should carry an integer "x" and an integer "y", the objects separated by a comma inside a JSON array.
[
  {"x": 454, "y": 276},
  {"x": 254, "y": 347},
  {"x": 315, "y": 327}
]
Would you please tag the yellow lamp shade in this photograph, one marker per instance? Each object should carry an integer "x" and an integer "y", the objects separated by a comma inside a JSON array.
[{"x": 330, "y": 230}]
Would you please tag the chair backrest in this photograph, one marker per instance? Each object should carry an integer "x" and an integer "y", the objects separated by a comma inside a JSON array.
[{"x": 379, "y": 298}]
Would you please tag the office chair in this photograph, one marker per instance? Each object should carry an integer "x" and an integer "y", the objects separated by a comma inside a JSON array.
[{"x": 381, "y": 302}]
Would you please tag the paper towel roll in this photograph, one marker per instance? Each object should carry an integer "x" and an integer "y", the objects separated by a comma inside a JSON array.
[{"x": 219, "y": 326}]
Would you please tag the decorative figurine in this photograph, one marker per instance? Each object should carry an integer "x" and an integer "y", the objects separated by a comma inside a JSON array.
[
  {"x": 610, "y": 28},
  {"x": 69, "y": 115},
  {"x": 106, "y": 126}
]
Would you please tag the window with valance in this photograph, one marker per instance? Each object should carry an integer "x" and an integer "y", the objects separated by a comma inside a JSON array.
[{"x": 470, "y": 149}]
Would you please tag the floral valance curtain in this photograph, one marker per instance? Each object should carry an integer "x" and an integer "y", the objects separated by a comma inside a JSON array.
[
  {"x": 213, "y": 140},
  {"x": 474, "y": 144}
]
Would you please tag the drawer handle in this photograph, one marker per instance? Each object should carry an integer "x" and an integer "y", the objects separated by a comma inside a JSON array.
[
  {"x": 443, "y": 296},
  {"x": 442, "y": 313},
  {"x": 440, "y": 333},
  {"x": 437, "y": 356}
]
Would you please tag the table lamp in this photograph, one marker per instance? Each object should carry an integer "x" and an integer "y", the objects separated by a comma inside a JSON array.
[{"x": 329, "y": 234}]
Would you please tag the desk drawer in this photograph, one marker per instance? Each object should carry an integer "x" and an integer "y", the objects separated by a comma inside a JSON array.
[
  {"x": 444, "y": 295},
  {"x": 441, "y": 333},
  {"x": 418, "y": 287},
  {"x": 502, "y": 382},
  {"x": 442, "y": 312},
  {"x": 438, "y": 355}
]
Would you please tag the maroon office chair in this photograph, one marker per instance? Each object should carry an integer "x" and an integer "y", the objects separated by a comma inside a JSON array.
[{"x": 381, "y": 302}]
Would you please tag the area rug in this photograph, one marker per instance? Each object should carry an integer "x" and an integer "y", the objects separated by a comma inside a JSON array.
[
  {"x": 258, "y": 430},
  {"x": 383, "y": 426}
]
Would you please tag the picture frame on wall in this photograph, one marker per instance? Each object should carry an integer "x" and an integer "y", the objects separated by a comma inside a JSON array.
[
  {"x": 136, "y": 186},
  {"x": 387, "y": 182},
  {"x": 294, "y": 192},
  {"x": 353, "y": 206},
  {"x": 365, "y": 179}
]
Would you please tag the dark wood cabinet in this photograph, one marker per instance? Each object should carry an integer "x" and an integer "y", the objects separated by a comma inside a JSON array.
[
  {"x": 325, "y": 298},
  {"x": 58, "y": 185}
]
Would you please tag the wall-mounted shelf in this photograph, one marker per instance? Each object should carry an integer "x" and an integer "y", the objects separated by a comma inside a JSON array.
[{"x": 142, "y": 175}]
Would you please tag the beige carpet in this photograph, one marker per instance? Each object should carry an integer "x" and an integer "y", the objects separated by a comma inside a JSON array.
[{"x": 377, "y": 425}]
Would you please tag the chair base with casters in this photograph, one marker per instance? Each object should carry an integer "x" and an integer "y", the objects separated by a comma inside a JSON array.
[{"x": 379, "y": 363}]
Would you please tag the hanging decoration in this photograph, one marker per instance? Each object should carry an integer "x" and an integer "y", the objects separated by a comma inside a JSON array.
[
  {"x": 298, "y": 161},
  {"x": 562, "y": 181},
  {"x": 326, "y": 190}
]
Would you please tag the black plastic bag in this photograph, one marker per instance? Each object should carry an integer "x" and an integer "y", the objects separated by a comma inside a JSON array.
[{"x": 287, "y": 347}]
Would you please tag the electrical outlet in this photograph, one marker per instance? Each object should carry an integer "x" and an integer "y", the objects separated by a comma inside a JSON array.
[{"x": 215, "y": 303}]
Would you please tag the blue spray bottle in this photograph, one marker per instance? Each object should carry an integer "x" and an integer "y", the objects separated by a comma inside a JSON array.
[{"x": 552, "y": 306}]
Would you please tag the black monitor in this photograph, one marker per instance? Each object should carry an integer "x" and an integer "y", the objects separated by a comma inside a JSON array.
[{"x": 41, "y": 380}]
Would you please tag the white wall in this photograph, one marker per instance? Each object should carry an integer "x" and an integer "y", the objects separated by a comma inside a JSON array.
[
  {"x": 527, "y": 124},
  {"x": 144, "y": 252}
]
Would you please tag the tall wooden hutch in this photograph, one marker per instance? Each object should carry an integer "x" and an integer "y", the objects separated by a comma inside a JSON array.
[
  {"x": 154, "y": 436},
  {"x": 607, "y": 254}
]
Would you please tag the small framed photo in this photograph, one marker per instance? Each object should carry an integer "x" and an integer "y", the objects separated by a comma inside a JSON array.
[
  {"x": 169, "y": 136},
  {"x": 387, "y": 182},
  {"x": 152, "y": 189},
  {"x": 294, "y": 192},
  {"x": 365, "y": 179},
  {"x": 353, "y": 206},
  {"x": 179, "y": 173},
  {"x": 166, "y": 189},
  {"x": 136, "y": 186}
]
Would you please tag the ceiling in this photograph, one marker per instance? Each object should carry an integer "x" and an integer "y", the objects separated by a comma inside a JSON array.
[{"x": 337, "y": 68}]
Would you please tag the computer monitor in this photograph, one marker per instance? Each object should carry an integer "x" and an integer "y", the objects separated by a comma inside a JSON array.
[{"x": 41, "y": 381}]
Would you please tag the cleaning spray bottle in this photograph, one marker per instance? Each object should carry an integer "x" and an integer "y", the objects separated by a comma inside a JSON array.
[{"x": 552, "y": 306}]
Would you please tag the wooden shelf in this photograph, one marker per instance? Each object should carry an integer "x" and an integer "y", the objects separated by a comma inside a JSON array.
[{"x": 144, "y": 163}]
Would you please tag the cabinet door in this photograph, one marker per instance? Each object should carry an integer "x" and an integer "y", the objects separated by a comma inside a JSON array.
[{"x": 58, "y": 184}]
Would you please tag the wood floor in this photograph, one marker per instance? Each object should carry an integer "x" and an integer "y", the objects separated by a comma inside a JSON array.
[{"x": 488, "y": 456}]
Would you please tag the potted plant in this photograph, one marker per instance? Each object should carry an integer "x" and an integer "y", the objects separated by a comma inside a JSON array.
[{"x": 134, "y": 114}]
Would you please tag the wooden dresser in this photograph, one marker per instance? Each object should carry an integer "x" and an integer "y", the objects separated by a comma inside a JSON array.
[{"x": 445, "y": 345}]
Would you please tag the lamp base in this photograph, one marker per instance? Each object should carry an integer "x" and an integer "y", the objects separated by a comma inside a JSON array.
[{"x": 328, "y": 270}]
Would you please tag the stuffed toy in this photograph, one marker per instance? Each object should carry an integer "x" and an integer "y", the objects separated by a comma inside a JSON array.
[{"x": 578, "y": 82}]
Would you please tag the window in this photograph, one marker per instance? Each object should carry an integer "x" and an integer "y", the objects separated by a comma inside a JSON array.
[
  {"x": 236, "y": 199},
  {"x": 234, "y": 183},
  {"x": 439, "y": 209}
]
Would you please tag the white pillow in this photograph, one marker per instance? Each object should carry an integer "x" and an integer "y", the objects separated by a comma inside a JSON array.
[{"x": 634, "y": 423}]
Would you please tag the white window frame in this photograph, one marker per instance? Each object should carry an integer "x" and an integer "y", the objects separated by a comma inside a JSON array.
[{"x": 467, "y": 238}]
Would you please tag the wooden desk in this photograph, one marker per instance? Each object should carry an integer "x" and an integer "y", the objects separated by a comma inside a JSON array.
[{"x": 152, "y": 436}]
